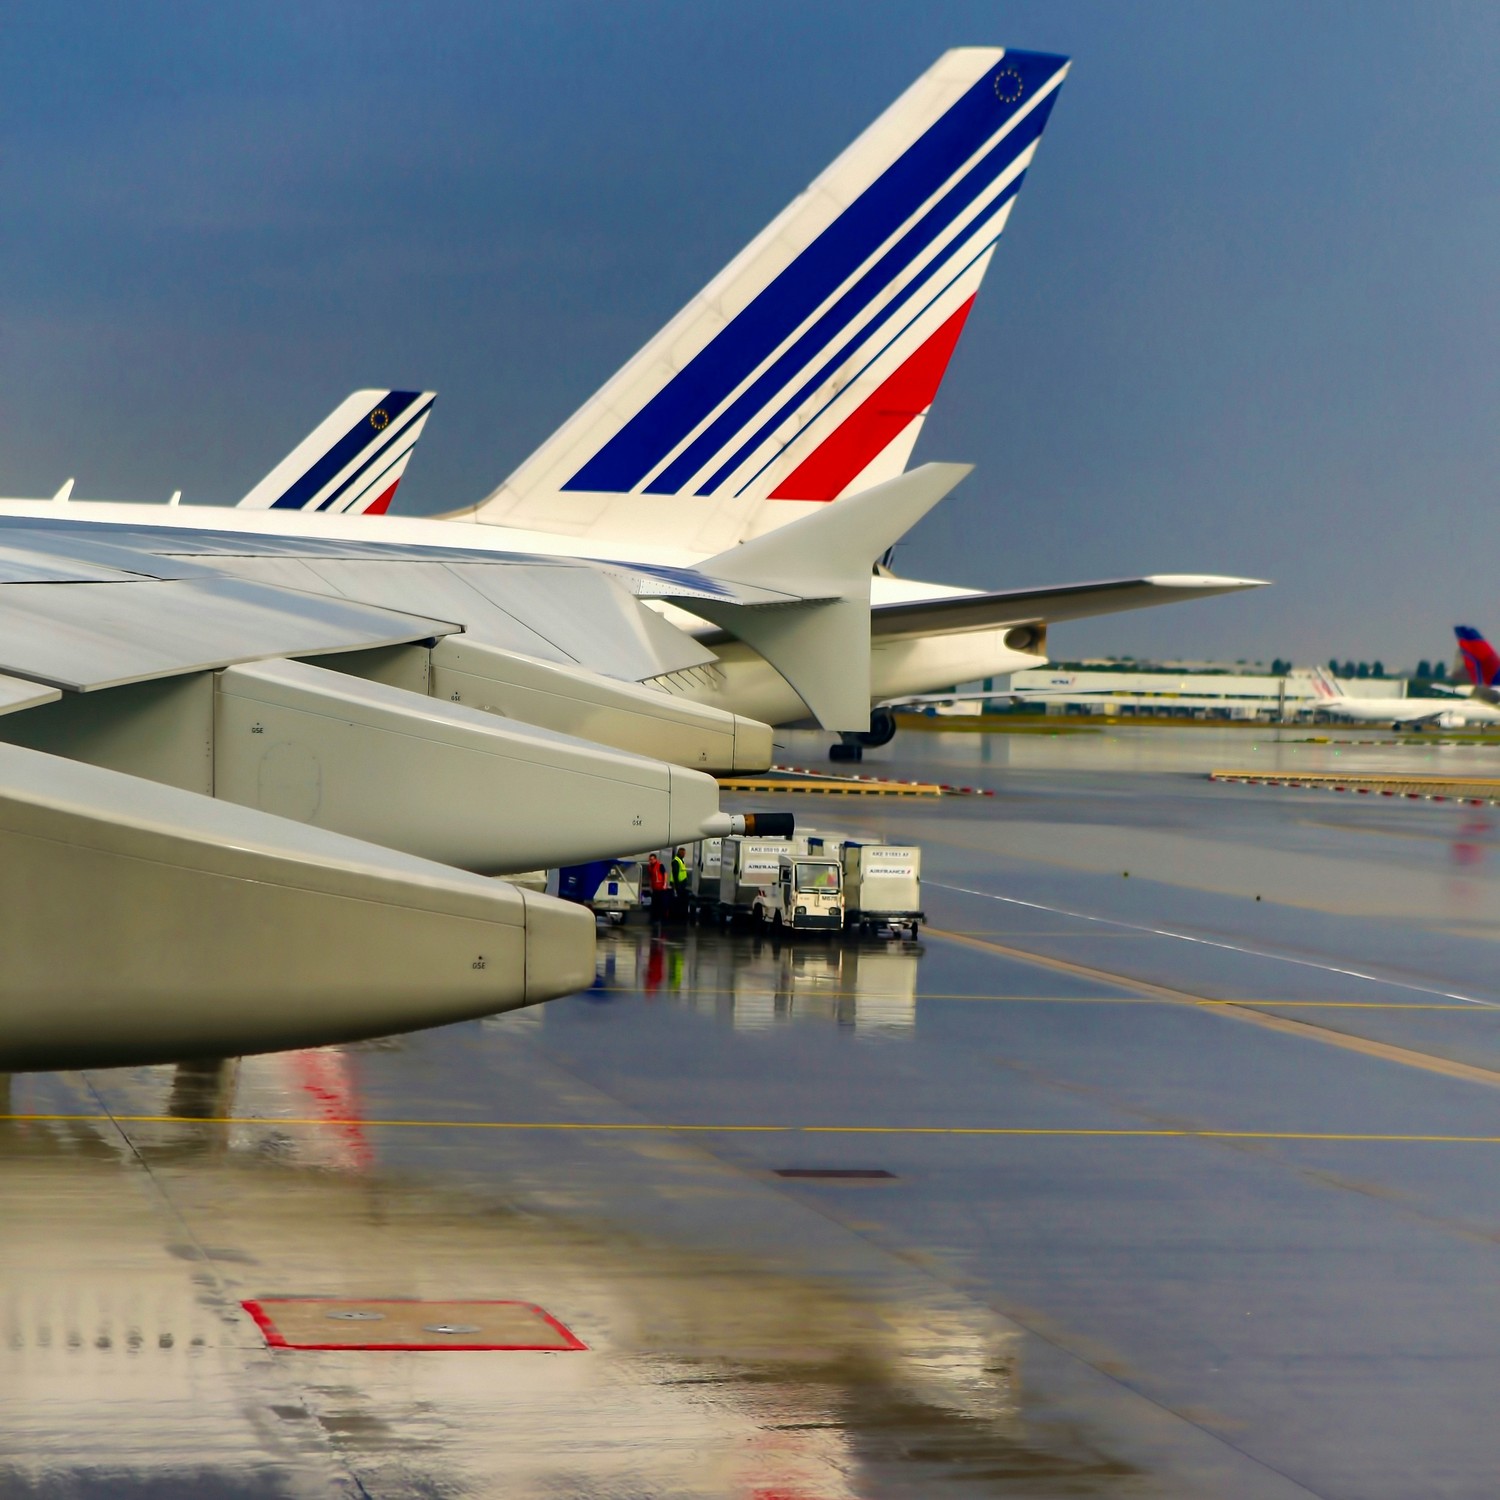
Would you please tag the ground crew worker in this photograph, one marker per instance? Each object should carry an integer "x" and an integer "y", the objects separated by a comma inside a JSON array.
[
  {"x": 656, "y": 883},
  {"x": 679, "y": 884}
]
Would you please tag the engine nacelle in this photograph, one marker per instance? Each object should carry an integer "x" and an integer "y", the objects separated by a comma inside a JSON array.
[
  {"x": 437, "y": 779},
  {"x": 145, "y": 924}
]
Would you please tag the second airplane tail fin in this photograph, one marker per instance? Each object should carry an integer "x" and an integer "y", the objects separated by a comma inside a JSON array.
[
  {"x": 803, "y": 371},
  {"x": 352, "y": 461},
  {"x": 1479, "y": 661},
  {"x": 1325, "y": 686}
]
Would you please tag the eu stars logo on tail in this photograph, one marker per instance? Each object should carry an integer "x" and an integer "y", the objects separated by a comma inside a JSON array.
[
  {"x": 1480, "y": 662},
  {"x": 352, "y": 461}
]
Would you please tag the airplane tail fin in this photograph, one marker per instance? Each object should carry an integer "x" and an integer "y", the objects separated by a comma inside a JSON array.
[
  {"x": 352, "y": 461},
  {"x": 1325, "y": 686},
  {"x": 803, "y": 371},
  {"x": 1479, "y": 660}
]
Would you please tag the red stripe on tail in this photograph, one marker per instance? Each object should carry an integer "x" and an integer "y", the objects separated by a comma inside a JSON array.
[
  {"x": 382, "y": 502},
  {"x": 877, "y": 422}
]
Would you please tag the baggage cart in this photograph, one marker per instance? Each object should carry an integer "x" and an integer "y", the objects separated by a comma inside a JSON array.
[
  {"x": 883, "y": 887},
  {"x": 806, "y": 896}
]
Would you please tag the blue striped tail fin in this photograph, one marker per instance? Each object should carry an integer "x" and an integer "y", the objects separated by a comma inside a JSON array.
[
  {"x": 352, "y": 461},
  {"x": 803, "y": 371}
]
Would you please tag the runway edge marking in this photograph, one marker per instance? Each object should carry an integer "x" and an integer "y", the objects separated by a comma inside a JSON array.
[
  {"x": 1203, "y": 942},
  {"x": 1238, "y": 1011}
]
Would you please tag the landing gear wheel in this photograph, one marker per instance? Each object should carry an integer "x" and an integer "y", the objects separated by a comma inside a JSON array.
[{"x": 844, "y": 750}]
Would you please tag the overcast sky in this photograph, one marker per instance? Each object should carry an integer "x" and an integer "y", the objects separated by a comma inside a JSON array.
[{"x": 1243, "y": 320}]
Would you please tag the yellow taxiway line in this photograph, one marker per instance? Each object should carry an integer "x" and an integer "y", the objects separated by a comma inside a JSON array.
[
  {"x": 812, "y": 993},
  {"x": 621, "y": 1127}
]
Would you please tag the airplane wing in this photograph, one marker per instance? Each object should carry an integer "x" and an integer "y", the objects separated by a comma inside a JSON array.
[
  {"x": 247, "y": 813},
  {"x": 800, "y": 596},
  {"x": 139, "y": 617},
  {"x": 546, "y": 636},
  {"x": 1075, "y": 601},
  {"x": 575, "y": 612}
]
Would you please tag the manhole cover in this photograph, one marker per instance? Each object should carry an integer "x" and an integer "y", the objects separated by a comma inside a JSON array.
[
  {"x": 313, "y": 1323},
  {"x": 846, "y": 1174}
]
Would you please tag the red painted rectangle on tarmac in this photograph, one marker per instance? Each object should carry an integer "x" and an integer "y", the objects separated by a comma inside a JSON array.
[{"x": 412, "y": 1325}]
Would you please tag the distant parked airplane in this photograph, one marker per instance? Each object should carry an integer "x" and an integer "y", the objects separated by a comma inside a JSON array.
[{"x": 1330, "y": 698}]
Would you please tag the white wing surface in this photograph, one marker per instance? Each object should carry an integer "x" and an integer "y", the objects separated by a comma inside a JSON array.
[{"x": 210, "y": 844}]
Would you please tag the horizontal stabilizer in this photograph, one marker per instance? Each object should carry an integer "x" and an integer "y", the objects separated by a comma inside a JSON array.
[{"x": 819, "y": 640}]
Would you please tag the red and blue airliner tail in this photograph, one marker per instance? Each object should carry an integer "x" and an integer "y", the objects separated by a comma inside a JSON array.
[{"x": 1481, "y": 662}]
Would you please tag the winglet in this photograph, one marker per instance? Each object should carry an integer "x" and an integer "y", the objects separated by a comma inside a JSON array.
[
  {"x": 352, "y": 461},
  {"x": 819, "y": 639}
]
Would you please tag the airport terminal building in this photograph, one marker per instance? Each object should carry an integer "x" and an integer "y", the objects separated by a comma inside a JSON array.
[{"x": 1193, "y": 694}]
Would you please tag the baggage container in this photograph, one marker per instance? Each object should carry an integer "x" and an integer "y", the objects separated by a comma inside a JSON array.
[
  {"x": 820, "y": 842},
  {"x": 704, "y": 868},
  {"x": 745, "y": 865},
  {"x": 883, "y": 887}
]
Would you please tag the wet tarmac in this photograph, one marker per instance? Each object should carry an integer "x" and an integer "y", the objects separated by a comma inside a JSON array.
[{"x": 1177, "y": 1182}]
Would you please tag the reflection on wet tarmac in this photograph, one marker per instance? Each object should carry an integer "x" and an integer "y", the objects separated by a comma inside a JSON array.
[
  {"x": 752, "y": 982},
  {"x": 129, "y": 1367}
]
